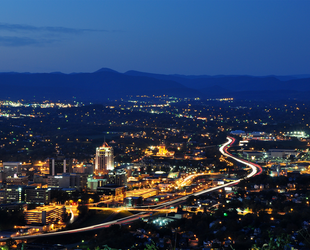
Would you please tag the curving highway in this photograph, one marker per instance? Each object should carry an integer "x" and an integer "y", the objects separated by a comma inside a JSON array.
[{"x": 256, "y": 169}]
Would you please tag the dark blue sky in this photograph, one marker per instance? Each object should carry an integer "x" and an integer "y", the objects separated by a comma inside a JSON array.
[{"x": 172, "y": 37}]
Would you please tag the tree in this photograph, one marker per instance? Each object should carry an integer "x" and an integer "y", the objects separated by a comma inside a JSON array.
[
  {"x": 6, "y": 247},
  {"x": 151, "y": 246},
  {"x": 275, "y": 243}
]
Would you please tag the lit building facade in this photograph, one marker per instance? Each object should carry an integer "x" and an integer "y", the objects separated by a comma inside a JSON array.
[
  {"x": 163, "y": 152},
  {"x": 15, "y": 194},
  {"x": 2, "y": 196},
  {"x": 45, "y": 215},
  {"x": 67, "y": 180},
  {"x": 117, "y": 177},
  {"x": 11, "y": 168},
  {"x": 104, "y": 161},
  {"x": 93, "y": 184},
  {"x": 37, "y": 195},
  {"x": 18, "y": 181}
]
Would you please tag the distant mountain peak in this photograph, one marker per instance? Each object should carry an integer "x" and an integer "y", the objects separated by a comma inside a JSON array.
[{"x": 106, "y": 70}]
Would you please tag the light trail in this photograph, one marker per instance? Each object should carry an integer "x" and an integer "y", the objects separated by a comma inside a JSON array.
[
  {"x": 256, "y": 169},
  {"x": 72, "y": 216},
  {"x": 80, "y": 230}
]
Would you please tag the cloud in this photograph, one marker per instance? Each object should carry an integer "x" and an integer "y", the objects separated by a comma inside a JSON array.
[
  {"x": 29, "y": 35},
  {"x": 14, "y": 41},
  {"x": 30, "y": 28}
]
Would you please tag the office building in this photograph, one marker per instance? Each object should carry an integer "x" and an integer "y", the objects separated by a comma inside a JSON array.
[
  {"x": 117, "y": 177},
  {"x": 87, "y": 168},
  {"x": 37, "y": 195},
  {"x": 17, "y": 181},
  {"x": 93, "y": 184},
  {"x": 2, "y": 196},
  {"x": 15, "y": 194},
  {"x": 66, "y": 180},
  {"x": 59, "y": 166},
  {"x": 11, "y": 168},
  {"x": 104, "y": 161}
]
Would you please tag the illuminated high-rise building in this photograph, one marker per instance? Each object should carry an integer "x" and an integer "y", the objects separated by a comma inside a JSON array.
[
  {"x": 59, "y": 165},
  {"x": 104, "y": 161}
]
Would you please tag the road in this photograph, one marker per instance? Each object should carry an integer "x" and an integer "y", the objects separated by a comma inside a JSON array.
[{"x": 256, "y": 169}]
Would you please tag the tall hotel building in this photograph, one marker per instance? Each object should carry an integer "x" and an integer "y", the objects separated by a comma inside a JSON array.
[{"x": 104, "y": 161}]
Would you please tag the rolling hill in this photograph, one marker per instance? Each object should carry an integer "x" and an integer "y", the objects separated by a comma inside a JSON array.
[{"x": 107, "y": 84}]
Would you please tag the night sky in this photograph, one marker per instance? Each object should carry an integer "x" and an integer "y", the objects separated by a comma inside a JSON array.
[{"x": 253, "y": 37}]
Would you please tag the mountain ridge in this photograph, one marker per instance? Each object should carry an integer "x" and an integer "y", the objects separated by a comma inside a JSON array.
[{"x": 107, "y": 83}]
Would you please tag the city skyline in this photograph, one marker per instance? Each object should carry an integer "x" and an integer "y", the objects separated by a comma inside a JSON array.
[
  {"x": 154, "y": 124},
  {"x": 214, "y": 167}
]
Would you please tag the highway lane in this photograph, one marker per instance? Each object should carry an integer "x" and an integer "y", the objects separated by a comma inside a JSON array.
[
  {"x": 256, "y": 169},
  {"x": 80, "y": 230}
]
